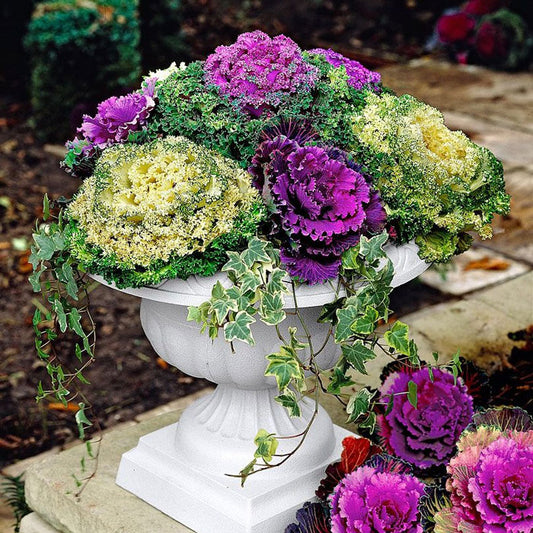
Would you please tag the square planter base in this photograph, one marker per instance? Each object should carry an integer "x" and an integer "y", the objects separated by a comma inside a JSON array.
[{"x": 205, "y": 502}]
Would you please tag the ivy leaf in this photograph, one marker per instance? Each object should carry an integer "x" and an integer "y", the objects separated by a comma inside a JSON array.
[
  {"x": 285, "y": 367},
  {"x": 267, "y": 444},
  {"x": 359, "y": 404},
  {"x": 239, "y": 328},
  {"x": 412, "y": 390},
  {"x": 67, "y": 277},
  {"x": 351, "y": 259},
  {"x": 46, "y": 246},
  {"x": 198, "y": 313},
  {"x": 81, "y": 420},
  {"x": 271, "y": 309},
  {"x": 256, "y": 252},
  {"x": 372, "y": 249},
  {"x": 35, "y": 279},
  {"x": 276, "y": 284},
  {"x": 328, "y": 312},
  {"x": 58, "y": 309},
  {"x": 345, "y": 319},
  {"x": 289, "y": 401},
  {"x": 74, "y": 323},
  {"x": 235, "y": 264},
  {"x": 338, "y": 381},
  {"x": 398, "y": 337},
  {"x": 369, "y": 422},
  {"x": 247, "y": 470},
  {"x": 46, "y": 207},
  {"x": 295, "y": 344},
  {"x": 249, "y": 282},
  {"x": 221, "y": 303},
  {"x": 357, "y": 354},
  {"x": 366, "y": 324}
]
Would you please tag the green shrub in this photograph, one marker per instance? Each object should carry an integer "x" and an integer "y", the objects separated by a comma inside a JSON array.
[{"x": 81, "y": 52}]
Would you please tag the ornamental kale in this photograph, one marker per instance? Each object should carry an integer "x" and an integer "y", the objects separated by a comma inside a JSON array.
[
  {"x": 158, "y": 201},
  {"x": 372, "y": 498},
  {"x": 117, "y": 117},
  {"x": 426, "y": 435},
  {"x": 435, "y": 183},
  {"x": 491, "y": 477},
  {"x": 320, "y": 205},
  {"x": 257, "y": 72}
]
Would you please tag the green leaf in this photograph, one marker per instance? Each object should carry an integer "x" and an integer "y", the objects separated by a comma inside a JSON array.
[
  {"x": 275, "y": 283},
  {"x": 359, "y": 404},
  {"x": 289, "y": 401},
  {"x": 267, "y": 444},
  {"x": 35, "y": 279},
  {"x": 256, "y": 252},
  {"x": 249, "y": 282},
  {"x": 294, "y": 342},
  {"x": 74, "y": 322},
  {"x": 37, "y": 317},
  {"x": 221, "y": 303},
  {"x": 45, "y": 246},
  {"x": 46, "y": 207},
  {"x": 369, "y": 422},
  {"x": 235, "y": 264},
  {"x": 372, "y": 249},
  {"x": 81, "y": 420},
  {"x": 328, "y": 312},
  {"x": 285, "y": 367},
  {"x": 68, "y": 279},
  {"x": 246, "y": 471},
  {"x": 239, "y": 328},
  {"x": 339, "y": 380},
  {"x": 366, "y": 324},
  {"x": 357, "y": 354},
  {"x": 271, "y": 309},
  {"x": 345, "y": 319},
  {"x": 351, "y": 259},
  {"x": 398, "y": 337},
  {"x": 412, "y": 389},
  {"x": 57, "y": 306}
]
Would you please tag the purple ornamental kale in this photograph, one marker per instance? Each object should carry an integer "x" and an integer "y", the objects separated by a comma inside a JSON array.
[
  {"x": 503, "y": 486},
  {"x": 425, "y": 436},
  {"x": 371, "y": 500},
  {"x": 257, "y": 71},
  {"x": 320, "y": 203},
  {"x": 358, "y": 76},
  {"x": 312, "y": 518},
  {"x": 117, "y": 117}
]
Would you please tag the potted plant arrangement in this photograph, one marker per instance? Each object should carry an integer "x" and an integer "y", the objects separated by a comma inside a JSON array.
[{"x": 262, "y": 203}]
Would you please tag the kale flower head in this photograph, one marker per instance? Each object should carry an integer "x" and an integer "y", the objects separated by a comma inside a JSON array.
[
  {"x": 373, "y": 498},
  {"x": 117, "y": 117},
  {"x": 257, "y": 71},
  {"x": 436, "y": 183},
  {"x": 425, "y": 436},
  {"x": 358, "y": 75},
  {"x": 491, "y": 477},
  {"x": 320, "y": 203},
  {"x": 161, "y": 199}
]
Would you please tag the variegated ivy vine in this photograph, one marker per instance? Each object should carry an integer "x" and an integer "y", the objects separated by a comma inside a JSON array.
[{"x": 361, "y": 303}]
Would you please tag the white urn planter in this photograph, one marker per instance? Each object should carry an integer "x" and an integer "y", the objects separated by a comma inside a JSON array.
[{"x": 181, "y": 469}]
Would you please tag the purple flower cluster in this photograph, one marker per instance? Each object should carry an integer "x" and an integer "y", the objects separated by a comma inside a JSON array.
[
  {"x": 491, "y": 479},
  {"x": 117, "y": 117},
  {"x": 358, "y": 75},
  {"x": 257, "y": 70},
  {"x": 425, "y": 436},
  {"x": 320, "y": 202},
  {"x": 374, "y": 498}
]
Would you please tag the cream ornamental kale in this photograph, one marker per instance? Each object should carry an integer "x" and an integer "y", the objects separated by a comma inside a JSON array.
[
  {"x": 158, "y": 202},
  {"x": 435, "y": 183}
]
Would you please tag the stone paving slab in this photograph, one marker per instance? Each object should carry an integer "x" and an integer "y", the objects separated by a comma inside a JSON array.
[
  {"x": 460, "y": 278},
  {"x": 496, "y": 97}
]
